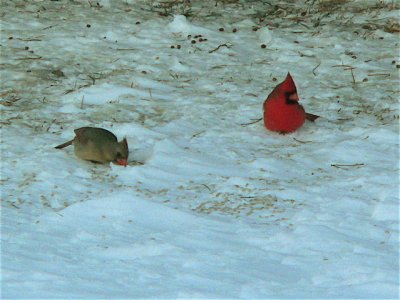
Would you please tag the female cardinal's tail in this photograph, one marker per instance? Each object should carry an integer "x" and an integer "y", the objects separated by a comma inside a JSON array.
[{"x": 64, "y": 145}]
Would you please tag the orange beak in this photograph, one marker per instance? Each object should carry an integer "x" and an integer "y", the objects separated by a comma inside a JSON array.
[
  {"x": 294, "y": 97},
  {"x": 122, "y": 162}
]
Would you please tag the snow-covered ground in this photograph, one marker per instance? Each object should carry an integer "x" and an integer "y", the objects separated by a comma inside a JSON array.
[{"x": 211, "y": 205}]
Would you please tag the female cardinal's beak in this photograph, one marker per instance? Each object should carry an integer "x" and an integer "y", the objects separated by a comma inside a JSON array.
[{"x": 122, "y": 162}]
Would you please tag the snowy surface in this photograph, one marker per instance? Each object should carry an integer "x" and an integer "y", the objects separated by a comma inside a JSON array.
[{"x": 210, "y": 205}]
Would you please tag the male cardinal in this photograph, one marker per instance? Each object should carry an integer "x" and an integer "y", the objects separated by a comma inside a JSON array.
[
  {"x": 282, "y": 111},
  {"x": 98, "y": 145}
]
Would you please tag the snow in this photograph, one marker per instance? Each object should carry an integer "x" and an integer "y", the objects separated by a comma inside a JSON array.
[{"x": 211, "y": 205}]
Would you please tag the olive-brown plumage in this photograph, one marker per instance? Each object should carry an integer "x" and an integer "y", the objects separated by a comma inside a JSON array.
[{"x": 98, "y": 145}]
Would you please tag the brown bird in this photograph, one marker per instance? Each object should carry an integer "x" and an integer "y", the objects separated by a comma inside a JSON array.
[{"x": 98, "y": 145}]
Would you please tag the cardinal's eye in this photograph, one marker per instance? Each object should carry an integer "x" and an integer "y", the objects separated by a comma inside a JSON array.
[{"x": 119, "y": 155}]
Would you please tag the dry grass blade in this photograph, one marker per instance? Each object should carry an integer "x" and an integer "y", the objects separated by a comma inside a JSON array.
[
  {"x": 347, "y": 165},
  {"x": 253, "y": 122},
  {"x": 222, "y": 45}
]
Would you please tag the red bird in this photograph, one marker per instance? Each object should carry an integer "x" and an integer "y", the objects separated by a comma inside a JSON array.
[{"x": 282, "y": 111}]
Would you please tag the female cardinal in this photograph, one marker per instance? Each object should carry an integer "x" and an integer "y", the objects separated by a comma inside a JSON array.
[
  {"x": 98, "y": 145},
  {"x": 282, "y": 111}
]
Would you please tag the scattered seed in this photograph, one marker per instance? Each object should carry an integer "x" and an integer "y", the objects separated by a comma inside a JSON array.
[
  {"x": 137, "y": 23},
  {"x": 393, "y": 62},
  {"x": 88, "y": 25},
  {"x": 255, "y": 28},
  {"x": 178, "y": 46},
  {"x": 263, "y": 46},
  {"x": 274, "y": 79},
  {"x": 221, "y": 29},
  {"x": 10, "y": 38},
  {"x": 144, "y": 72},
  {"x": 193, "y": 41},
  {"x": 172, "y": 46},
  {"x": 365, "y": 79},
  {"x": 234, "y": 30},
  {"x": 26, "y": 48}
]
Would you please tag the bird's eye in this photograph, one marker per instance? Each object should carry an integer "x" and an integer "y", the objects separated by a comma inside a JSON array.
[{"x": 119, "y": 154}]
